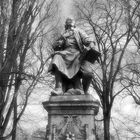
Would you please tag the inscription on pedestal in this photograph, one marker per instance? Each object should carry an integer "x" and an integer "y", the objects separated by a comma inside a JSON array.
[{"x": 71, "y": 127}]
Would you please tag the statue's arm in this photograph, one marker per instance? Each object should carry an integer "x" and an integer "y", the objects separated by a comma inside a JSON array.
[
  {"x": 86, "y": 40},
  {"x": 58, "y": 45}
]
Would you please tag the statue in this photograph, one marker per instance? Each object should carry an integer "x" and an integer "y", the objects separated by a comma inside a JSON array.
[{"x": 71, "y": 62}]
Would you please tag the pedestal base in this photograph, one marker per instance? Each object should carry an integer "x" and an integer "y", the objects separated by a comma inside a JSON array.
[{"x": 71, "y": 117}]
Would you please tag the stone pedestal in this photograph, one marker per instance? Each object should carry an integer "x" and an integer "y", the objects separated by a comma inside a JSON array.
[{"x": 71, "y": 117}]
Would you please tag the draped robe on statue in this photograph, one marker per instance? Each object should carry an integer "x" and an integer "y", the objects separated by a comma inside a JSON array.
[{"x": 68, "y": 60}]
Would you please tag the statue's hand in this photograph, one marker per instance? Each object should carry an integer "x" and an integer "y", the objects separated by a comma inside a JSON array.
[
  {"x": 92, "y": 45},
  {"x": 60, "y": 43}
]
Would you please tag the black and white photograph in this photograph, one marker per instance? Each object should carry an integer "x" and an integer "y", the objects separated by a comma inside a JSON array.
[{"x": 69, "y": 69}]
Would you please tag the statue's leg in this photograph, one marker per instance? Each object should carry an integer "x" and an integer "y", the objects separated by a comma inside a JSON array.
[
  {"x": 86, "y": 75},
  {"x": 58, "y": 83},
  {"x": 86, "y": 80}
]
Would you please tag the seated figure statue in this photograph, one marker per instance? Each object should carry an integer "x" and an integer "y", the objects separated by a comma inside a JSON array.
[{"x": 70, "y": 63}]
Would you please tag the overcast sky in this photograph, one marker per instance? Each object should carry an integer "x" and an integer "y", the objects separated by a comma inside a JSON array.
[{"x": 66, "y": 9}]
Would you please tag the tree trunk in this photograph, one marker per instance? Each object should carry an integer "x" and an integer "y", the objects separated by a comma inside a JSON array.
[
  {"x": 15, "y": 121},
  {"x": 1, "y": 125},
  {"x": 14, "y": 133},
  {"x": 106, "y": 126}
]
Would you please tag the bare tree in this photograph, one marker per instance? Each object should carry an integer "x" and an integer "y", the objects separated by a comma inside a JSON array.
[
  {"x": 24, "y": 24},
  {"x": 107, "y": 20},
  {"x": 133, "y": 79}
]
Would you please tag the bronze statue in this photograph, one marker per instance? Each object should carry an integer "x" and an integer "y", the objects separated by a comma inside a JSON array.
[{"x": 71, "y": 62}]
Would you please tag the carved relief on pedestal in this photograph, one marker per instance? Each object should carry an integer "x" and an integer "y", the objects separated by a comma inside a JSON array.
[{"x": 71, "y": 128}]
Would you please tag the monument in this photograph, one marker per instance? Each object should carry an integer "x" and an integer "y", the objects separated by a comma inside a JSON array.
[{"x": 71, "y": 110}]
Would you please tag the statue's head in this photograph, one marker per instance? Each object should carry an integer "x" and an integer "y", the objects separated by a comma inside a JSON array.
[{"x": 69, "y": 23}]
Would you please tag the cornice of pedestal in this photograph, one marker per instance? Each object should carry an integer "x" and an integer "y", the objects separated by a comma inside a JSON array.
[{"x": 81, "y": 103}]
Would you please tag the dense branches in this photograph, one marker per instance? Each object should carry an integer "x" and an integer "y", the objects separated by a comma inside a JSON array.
[
  {"x": 23, "y": 27},
  {"x": 113, "y": 26}
]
